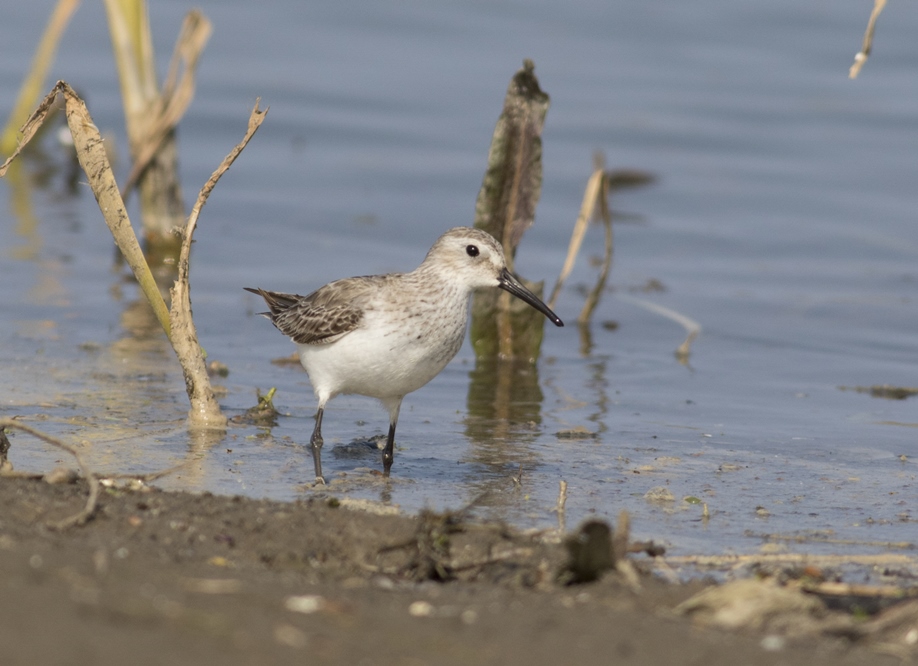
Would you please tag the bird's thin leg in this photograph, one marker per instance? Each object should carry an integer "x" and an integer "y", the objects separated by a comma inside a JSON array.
[
  {"x": 388, "y": 454},
  {"x": 316, "y": 443},
  {"x": 394, "y": 405}
]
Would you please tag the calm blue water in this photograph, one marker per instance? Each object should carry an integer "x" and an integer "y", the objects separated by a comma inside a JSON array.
[{"x": 782, "y": 220}]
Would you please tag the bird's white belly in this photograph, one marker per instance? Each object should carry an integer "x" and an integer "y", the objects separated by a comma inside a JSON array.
[{"x": 382, "y": 360}]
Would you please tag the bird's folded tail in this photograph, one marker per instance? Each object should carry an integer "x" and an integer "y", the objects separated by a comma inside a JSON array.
[{"x": 277, "y": 302}]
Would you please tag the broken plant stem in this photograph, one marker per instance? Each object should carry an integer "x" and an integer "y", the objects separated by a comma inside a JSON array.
[
  {"x": 587, "y": 207},
  {"x": 595, "y": 205},
  {"x": 736, "y": 561},
  {"x": 89, "y": 509},
  {"x": 606, "y": 215},
  {"x": 170, "y": 104},
  {"x": 861, "y": 56},
  {"x": 94, "y": 161},
  {"x": 505, "y": 208},
  {"x": 178, "y": 325},
  {"x": 204, "y": 408},
  {"x": 692, "y": 327},
  {"x": 562, "y": 500}
]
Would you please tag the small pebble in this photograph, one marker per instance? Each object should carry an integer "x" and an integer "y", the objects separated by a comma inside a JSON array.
[
  {"x": 468, "y": 617},
  {"x": 421, "y": 609},
  {"x": 773, "y": 643},
  {"x": 305, "y": 603}
]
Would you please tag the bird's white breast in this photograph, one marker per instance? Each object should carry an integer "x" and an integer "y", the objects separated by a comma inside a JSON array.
[{"x": 400, "y": 345}]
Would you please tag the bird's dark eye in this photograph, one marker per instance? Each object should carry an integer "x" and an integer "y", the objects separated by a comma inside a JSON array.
[{"x": 472, "y": 250}]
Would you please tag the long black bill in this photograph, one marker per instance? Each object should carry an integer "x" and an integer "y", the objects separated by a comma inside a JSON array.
[{"x": 507, "y": 282}]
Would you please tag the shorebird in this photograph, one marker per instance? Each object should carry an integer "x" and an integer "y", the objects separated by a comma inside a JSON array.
[{"x": 384, "y": 336}]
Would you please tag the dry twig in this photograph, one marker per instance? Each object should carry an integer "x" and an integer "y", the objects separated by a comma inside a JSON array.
[
  {"x": 735, "y": 561},
  {"x": 89, "y": 509},
  {"x": 587, "y": 208},
  {"x": 171, "y": 104},
  {"x": 559, "y": 507},
  {"x": 861, "y": 56},
  {"x": 204, "y": 408},
  {"x": 822, "y": 538},
  {"x": 692, "y": 327},
  {"x": 595, "y": 205}
]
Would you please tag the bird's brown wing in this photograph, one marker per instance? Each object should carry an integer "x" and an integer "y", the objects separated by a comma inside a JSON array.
[{"x": 322, "y": 317}]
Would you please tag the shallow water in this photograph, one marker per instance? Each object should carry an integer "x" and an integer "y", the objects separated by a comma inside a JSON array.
[{"x": 782, "y": 220}]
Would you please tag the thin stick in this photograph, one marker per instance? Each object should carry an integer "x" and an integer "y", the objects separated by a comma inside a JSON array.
[
  {"x": 562, "y": 500},
  {"x": 835, "y": 588},
  {"x": 89, "y": 510},
  {"x": 692, "y": 327},
  {"x": 861, "y": 57},
  {"x": 587, "y": 206},
  {"x": 204, "y": 408},
  {"x": 812, "y": 538},
  {"x": 602, "y": 200},
  {"x": 518, "y": 477},
  {"x": 884, "y": 559},
  {"x": 15, "y": 474}
]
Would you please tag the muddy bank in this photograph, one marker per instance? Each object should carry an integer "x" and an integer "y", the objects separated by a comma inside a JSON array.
[{"x": 176, "y": 578}]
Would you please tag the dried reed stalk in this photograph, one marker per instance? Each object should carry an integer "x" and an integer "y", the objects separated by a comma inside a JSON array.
[
  {"x": 861, "y": 56},
  {"x": 179, "y": 327},
  {"x": 151, "y": 115},
  {"x": 94, "y": 160},
  {"x": 505, "y": 208},
  {"x": 595, "y": 205},
  {"x": 34, "y": 82},
  {"x": 692, "y": 327},
  {"x": 204, "y": 408}
]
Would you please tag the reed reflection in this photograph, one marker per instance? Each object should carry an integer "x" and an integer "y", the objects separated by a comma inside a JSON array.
[{"x": 504, "y": 417}]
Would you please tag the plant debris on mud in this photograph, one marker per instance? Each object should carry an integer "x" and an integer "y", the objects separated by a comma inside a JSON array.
[{"x": 170, "y": 577}]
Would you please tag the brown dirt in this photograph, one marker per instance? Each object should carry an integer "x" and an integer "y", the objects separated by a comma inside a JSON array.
[{"x": 176, "y": 578}]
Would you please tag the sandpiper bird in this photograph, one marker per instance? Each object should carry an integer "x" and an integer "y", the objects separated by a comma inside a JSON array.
[{"x": 385, "y": 336}]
